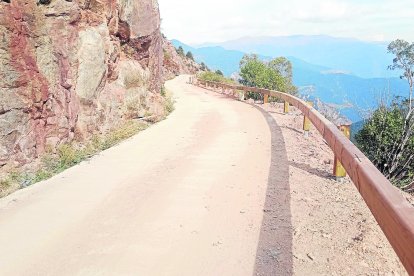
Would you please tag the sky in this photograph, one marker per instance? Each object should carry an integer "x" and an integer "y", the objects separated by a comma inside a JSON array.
[{"x": 200, "y": 21}]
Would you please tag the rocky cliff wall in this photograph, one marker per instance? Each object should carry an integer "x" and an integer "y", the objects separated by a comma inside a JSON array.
[
  {"x": 71, "y": 68},
  {"x": 174, "y": 64}
]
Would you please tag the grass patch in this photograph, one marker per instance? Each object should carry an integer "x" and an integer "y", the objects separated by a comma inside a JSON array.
[
  {"x": 69, "y": 155},
  {"x": 4, "y": 184},
  {"x": 169, "y": 105}
]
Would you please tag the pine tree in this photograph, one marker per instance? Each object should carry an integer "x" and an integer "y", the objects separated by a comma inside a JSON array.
[
  {"x": 189, "y": 55},
  {"x": 180, "y": 51}
]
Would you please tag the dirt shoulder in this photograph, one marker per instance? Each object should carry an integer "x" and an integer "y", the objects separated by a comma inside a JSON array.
[{"x": 334, "y": 233}]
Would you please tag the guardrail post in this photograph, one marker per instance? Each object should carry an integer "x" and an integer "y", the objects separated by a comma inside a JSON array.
[
  {"x": 265, "y": 98},
  {"x": 307, "y": 122},
  {"x": 339, "y": 171},
  {"x": 240, "y": 94},
  {"x": 286, "y": 107}
]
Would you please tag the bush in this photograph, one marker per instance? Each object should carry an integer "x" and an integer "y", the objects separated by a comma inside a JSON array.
[
  {"x": 169, "y": 105},
  {"x": 212, "y": 76},
  {"x": 167, "y": 55},
  {"x": 387, "y": 140}
]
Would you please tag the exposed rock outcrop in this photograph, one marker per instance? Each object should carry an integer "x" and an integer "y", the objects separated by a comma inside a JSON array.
[
  {"x": 69, "y": 69},
  {"x": 174, "y": 64}
]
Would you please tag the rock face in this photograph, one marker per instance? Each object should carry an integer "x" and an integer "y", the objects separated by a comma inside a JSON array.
[
  {"x": 72, "y": 68},
  {"x": 174, "y": 64}
]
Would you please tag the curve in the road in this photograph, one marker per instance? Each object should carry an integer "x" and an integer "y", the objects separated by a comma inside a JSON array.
[{"x": 185, "y": 197}]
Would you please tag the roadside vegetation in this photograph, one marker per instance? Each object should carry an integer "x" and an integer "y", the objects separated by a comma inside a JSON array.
[
  {"x": 215, "y": 76},
  {"x": 274, "y": 75},
  {"x": 57, "y": 160},
  {"x": 68, "y": 155},
  {"x": 180, "y": 52},
  {"x": 387, "y": 137}
]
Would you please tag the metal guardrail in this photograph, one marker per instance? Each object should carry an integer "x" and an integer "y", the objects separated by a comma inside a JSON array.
[{"x": 394, "y": 214}]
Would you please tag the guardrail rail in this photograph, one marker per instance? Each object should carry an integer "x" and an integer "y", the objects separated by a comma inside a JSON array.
[{"x": 394, "y": 214}]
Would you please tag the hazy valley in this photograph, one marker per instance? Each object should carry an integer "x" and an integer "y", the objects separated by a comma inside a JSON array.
[{"x": 348, "y": 74}]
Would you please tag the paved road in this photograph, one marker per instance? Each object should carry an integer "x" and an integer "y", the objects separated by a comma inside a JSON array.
[{"x": 185, "y": 197}]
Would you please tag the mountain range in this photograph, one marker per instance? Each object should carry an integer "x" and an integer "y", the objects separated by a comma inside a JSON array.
[
  {"x": 349, "y": 74},
  {"x": 352, "y": 56}
]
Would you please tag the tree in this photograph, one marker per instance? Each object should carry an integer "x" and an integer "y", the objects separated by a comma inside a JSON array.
[
  {"x": 189, "y": 55},
  {"x": 284, "y": 67},
  {"x": 388, "y": 141},
  {"x": 387, "y": 138},
  {"x": 272, "y": 75},
  {"x": 404, "y": 60},
  {"x": 180, "y": 51},
  {"x": 218, "y": 72},
  {"x": 204, "y": 67}
]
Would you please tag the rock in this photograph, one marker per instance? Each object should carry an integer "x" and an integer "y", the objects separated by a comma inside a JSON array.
[
  {"x": 174, "y": 64},
  {"x": 142, "y": 16},
  {"x": 123, "y": 32},
  {"x": 64, "y": 74},
  {"x": 92, "y": 67},
  {"x": 328, "y": 161}
]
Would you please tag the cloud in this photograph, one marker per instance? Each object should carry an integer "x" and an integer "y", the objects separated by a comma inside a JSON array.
[
  {"x": 322, "y": 11},
  {"x": 197, "y": 21}
]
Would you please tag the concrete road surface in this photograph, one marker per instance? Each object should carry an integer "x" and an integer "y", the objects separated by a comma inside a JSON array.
[{"x": 185, "y": 197}]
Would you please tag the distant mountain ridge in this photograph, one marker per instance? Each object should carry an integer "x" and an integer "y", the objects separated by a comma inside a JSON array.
[
  {"x": 215, "y": 57},
  {"x": 336, "y": 53},
  {"x": 348, "y": 92}
]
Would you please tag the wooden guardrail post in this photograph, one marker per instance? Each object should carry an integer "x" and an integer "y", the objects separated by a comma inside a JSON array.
[
  {"x": 338, "y": 170},
  {"x": 286, "y": 107},
  {"x": 266, "y": 98},
  {"x": 240, "y": 95},
  {"x": 306, "y": 122}
]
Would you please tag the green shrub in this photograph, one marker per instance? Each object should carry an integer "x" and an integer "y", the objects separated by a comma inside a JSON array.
[
  {"x": 387, "y": 139},
  {"x": 5, "y": 183},
  {"x": 212, "y": 76},
  {"x": 218, "y": 72},
  {"x": 163, "y": 93},
  {"x": 167, "y": 55},
  {"x": 169, "y": 103}
]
